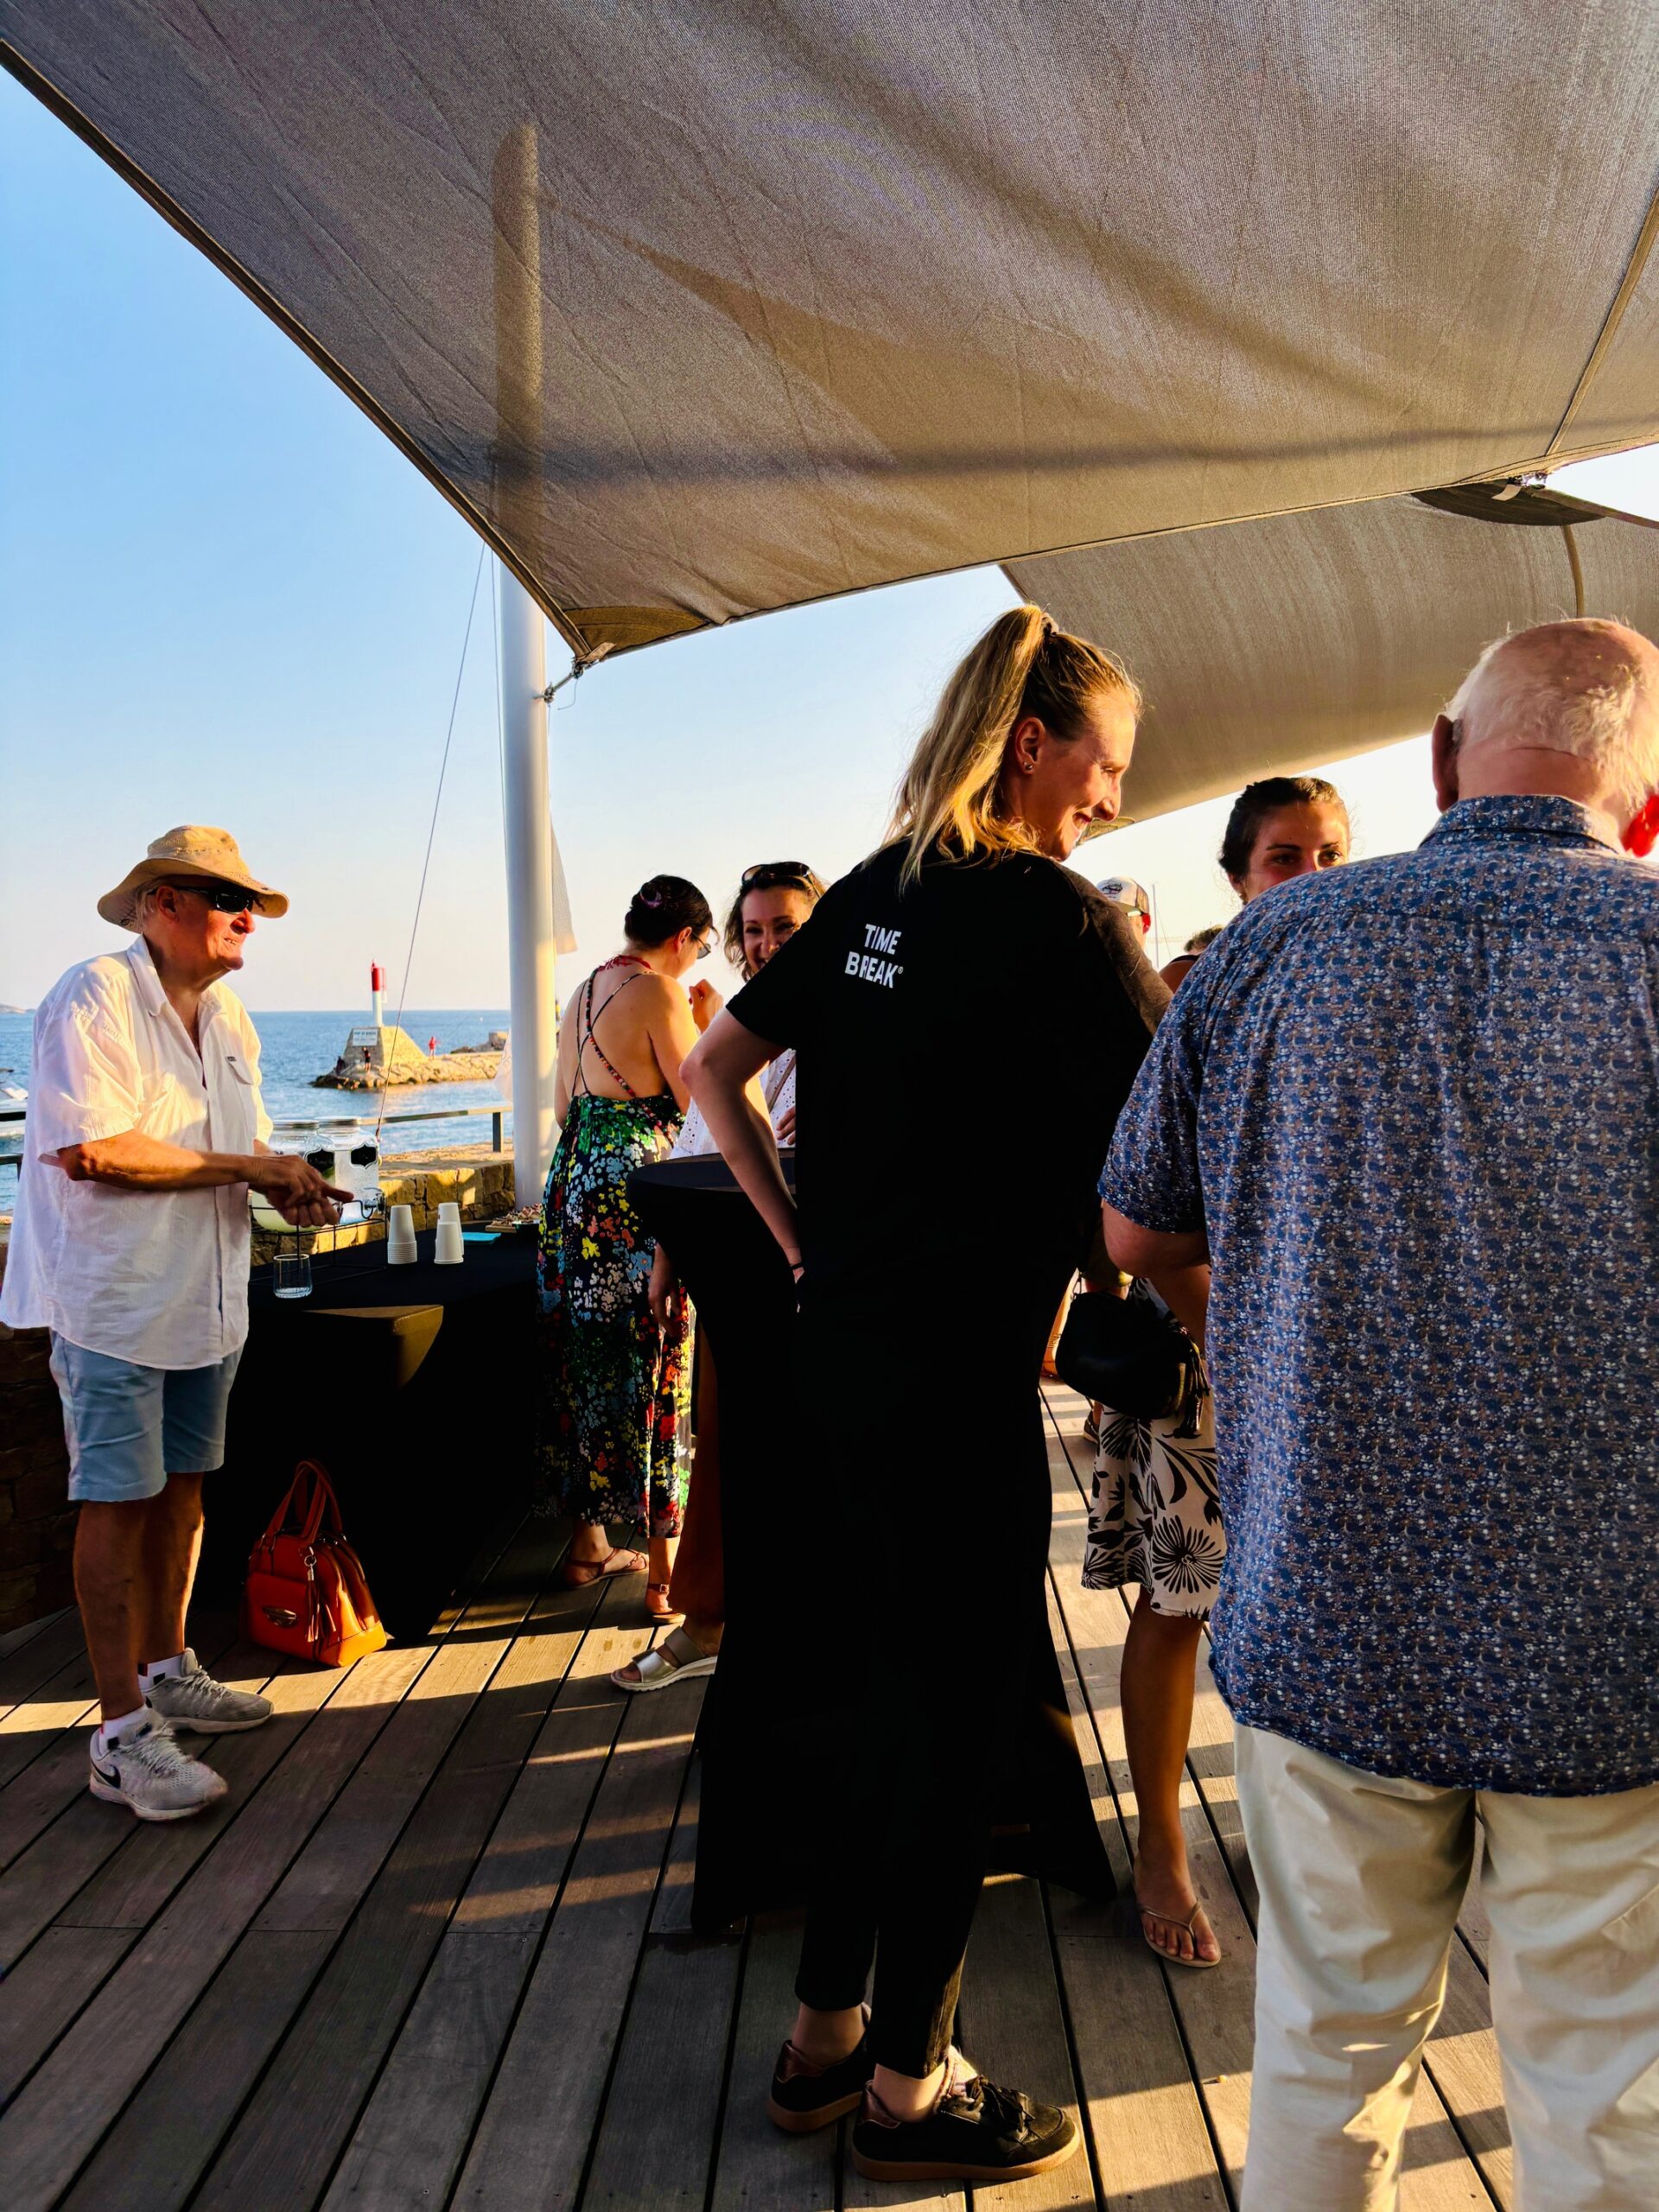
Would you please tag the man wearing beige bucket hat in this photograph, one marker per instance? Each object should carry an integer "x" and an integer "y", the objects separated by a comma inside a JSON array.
[{"x": 145, "y": 1131}]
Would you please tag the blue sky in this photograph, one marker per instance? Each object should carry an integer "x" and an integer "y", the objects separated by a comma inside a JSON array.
[{"x": 226, "y": 598}]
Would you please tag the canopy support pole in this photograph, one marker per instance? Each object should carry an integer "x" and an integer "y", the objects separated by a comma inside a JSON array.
[
  {"x": 526, "y": 821},
  {"x": 526, "y": 824}
]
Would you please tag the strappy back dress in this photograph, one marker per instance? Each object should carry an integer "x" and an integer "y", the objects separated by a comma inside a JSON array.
[{"x": 616, "y": 1394}]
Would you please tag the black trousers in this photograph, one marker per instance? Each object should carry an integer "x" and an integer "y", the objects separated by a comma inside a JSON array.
[{"x": 934, "y": 1482}]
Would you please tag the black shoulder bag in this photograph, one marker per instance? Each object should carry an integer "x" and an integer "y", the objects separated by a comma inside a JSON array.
[{"x": 1128, "y": 1354}]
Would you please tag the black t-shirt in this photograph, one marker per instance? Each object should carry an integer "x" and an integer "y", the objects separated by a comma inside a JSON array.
[{"x": 966, "y": 1044}]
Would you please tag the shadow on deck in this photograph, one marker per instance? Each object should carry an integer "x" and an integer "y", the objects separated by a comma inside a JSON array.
[{"x": 434, "y": 1950}]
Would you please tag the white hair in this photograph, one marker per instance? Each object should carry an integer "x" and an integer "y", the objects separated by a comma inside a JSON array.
[{"x": 1569, "y": 687}]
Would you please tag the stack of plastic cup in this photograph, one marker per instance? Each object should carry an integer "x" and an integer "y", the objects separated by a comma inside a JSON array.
[
  {"x": 400, "y": 1237},
  {"x": 450, "y": 1252}
]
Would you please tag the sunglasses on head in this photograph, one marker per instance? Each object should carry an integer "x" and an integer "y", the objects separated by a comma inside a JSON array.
[
  {"x": 224, "y": 897},
  {"x": 774, "y": 872}
]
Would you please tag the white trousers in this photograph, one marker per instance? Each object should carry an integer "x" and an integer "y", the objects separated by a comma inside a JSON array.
[{"x": 1362, "y": 1879}]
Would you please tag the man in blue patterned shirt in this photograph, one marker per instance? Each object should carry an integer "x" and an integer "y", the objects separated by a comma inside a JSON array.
[{"x": 1407, "y": 1112}]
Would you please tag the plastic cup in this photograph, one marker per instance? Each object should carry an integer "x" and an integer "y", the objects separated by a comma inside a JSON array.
[
  {"x": 400, "y": 1237},
  {"x": 450, "y": 1250}
]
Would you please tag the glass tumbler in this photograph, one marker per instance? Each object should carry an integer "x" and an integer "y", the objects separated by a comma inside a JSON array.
[{"x": 291, "y": 1274}]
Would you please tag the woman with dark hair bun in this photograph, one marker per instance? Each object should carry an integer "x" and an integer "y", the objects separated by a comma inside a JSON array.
[
  {"x": 1282, "y": 827},
  {"x": 615, "y": 1379}
]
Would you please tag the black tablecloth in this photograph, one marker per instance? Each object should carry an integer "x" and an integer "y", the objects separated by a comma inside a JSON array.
[
  {"x": 778, "y": 1716},
  {"x": 413, "y": 1386}
]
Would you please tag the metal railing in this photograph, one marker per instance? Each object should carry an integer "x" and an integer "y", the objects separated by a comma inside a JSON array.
[{"x": 497, "y": 1114}]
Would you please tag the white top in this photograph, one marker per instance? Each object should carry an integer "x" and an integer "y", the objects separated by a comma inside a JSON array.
[
  {"x": 778, "y": 1088},
  {"x": 158, "y": 1277}
]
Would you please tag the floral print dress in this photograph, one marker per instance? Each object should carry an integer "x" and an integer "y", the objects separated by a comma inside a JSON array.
[
  {"x": 1154, "y": 1518},
  {"x": 615, "y": 1389}
]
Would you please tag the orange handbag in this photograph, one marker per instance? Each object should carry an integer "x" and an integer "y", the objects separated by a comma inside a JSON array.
[{"x": 306, "y": 1592}]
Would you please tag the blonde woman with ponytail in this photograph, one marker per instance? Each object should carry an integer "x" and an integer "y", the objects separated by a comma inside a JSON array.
[{"x": 968, "y": 1016}]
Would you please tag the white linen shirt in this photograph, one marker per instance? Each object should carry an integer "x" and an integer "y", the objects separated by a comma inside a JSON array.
[{"x": 158, "y": 1277}]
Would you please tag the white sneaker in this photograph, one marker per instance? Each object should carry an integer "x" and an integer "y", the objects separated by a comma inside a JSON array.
[
  {"x": 193, "y": 1700},
  {"x": 146, "y": 1772}
]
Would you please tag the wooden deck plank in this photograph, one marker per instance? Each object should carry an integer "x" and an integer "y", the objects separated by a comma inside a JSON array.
[
  {"x": 758, "y": 2168},
  {"x": 1151, "y": 2147},
  {"x": 55, "y": 2122},
  {"x": 671, "y": 1914},
  {"x": 98, "y": 1867},
  {"x": 532, "y": 2140},
  {"x": 33, "y": 1654},
  {"x": 56, "y": 1773},
  {"x": 16, "y": 1639},
  {"x": 516, "y": 1883},
  {"x": 66, "y": 1699},
  {"x": 1013, "y": 2029},
  {"x": 200, "y": 2078},
  {"x": 1148, "y": 2146},
  {"x": 655, "y": 2141},
  {"x": 329, "y": 2060},
  {"x": 414, "y": 2131},
  {"x": 41, "y": 1996},
  {"x": 168, "y": 2131}
]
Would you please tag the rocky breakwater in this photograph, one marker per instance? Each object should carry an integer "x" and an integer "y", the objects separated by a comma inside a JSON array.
[{"x": 388, "y": 1058}]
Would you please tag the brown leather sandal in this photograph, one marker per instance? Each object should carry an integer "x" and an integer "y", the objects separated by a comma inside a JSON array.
[
  {"x": 657, "y": 1604},
  {"x": 582, "y": 1574}
]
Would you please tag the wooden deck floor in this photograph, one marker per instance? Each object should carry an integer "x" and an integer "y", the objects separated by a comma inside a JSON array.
[{"x": 433, "y": 1950}]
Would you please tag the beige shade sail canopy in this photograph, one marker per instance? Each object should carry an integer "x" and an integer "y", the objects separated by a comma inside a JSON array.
[
  {"x": 1269, "y": 647},
  {"x": 704, "y": 309}
]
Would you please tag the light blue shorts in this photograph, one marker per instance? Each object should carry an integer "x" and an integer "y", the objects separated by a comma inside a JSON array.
[{"x": 129, "y": 1428}]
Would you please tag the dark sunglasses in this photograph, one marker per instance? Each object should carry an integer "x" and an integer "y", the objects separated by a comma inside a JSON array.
[
  {"x": 224, "y": 898},
  {"x": 775, "y": 872}
]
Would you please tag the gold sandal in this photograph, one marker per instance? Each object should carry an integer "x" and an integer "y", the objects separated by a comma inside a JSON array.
[{"x": 1173, "y": 1958}]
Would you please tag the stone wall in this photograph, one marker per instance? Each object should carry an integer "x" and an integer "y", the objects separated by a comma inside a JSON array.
[{"x": 37, "y": 1523}]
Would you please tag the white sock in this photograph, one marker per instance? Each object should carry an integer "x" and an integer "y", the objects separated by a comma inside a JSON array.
[
  {"x": 111, "y": 1732},
  {"x": 159, "y": 1670}
]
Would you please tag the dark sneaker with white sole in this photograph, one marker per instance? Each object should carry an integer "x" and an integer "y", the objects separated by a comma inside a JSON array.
[
  {"x": 192, "y": 1699},
  {"x": 804, "y": 2097},
  {"x": 146, "y": 1772},
  {"x": 975, "y": 2132}
]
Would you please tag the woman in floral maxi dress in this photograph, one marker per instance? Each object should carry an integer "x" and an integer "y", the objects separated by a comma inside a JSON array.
[{"x": 615, "y": 1383}]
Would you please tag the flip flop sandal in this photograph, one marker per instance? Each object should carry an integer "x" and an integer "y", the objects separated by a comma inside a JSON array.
[
  {"x": 1170, "y": 1958},
  {"x": 675, "y": 1659},
  {"x": 657, "y": 1604},
  {"x": 582, "y": 1573}
]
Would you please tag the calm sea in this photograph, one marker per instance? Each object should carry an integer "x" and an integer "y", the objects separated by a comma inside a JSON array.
[{"x": 295, "y": 1047}]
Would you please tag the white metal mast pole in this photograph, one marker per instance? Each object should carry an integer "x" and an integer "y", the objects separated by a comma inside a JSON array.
[
  {"x": 516, "y": 204},
  {"x": 530, "y": 884}
]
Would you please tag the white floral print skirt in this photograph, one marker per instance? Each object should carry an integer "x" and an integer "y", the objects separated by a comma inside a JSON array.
[{"x": 1155, "y": 1515}]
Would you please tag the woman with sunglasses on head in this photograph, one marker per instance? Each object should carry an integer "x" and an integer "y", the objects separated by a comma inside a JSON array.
[
  {"x": 773, "y": 900},
  {"x": 1154, "y": 1519},
  {"x": 615, "y": 1378},
  {"x": 946, "y": 1195}
]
